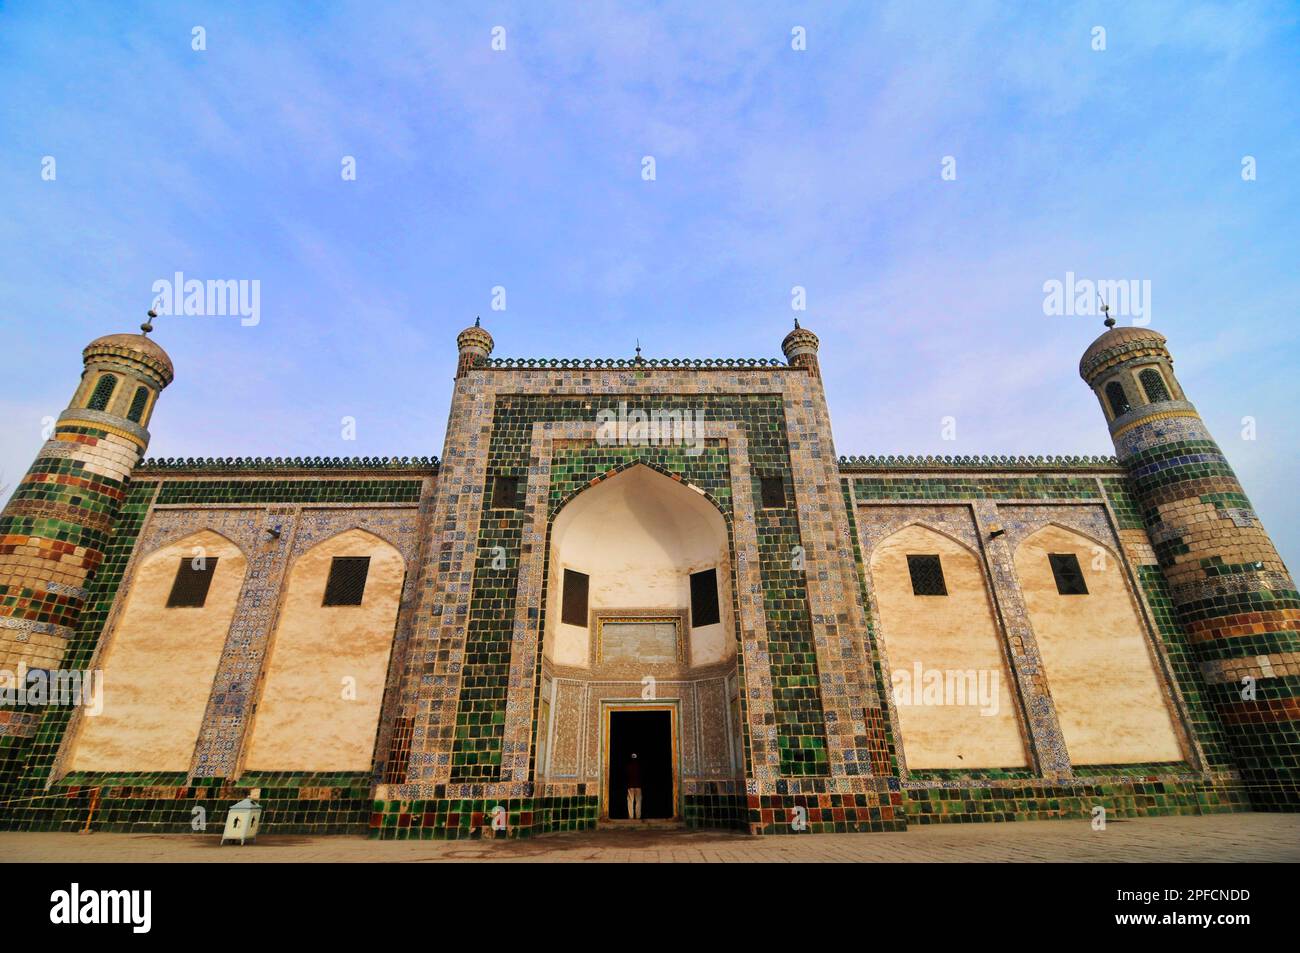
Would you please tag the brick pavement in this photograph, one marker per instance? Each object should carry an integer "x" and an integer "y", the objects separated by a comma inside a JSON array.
[{"x": 1218, "y": 837}]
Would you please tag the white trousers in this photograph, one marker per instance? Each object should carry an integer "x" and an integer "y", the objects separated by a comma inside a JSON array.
[{"x": 634, "y": 803}]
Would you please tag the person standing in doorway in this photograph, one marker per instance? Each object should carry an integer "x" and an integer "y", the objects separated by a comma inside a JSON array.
[{"x": 633, "y": 775}]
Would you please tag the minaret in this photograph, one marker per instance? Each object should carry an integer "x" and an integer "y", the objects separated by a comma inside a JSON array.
[
  {"x": 474, "y": 345},
  {"x": 1234, "y": 597},
  {"x": 56, "y": 527},
  {"x": 800, "y": 349}
]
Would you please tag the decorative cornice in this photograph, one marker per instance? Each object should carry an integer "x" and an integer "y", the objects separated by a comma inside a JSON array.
[
  {"x": 981, "y": 463},
  {"x": 632, "y": 363},
  {"x": 99, "y": 420},
  {"x": 267, "y": 464},
  {"x": 1122, "y": 425},
  {"x": 1094, "y": 365}
]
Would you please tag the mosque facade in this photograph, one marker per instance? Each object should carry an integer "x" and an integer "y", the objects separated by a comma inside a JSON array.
[{"x": 659, "y": 557}]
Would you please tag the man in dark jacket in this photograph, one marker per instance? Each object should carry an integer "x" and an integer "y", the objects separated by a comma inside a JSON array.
[{"x": 633, "y": 775}]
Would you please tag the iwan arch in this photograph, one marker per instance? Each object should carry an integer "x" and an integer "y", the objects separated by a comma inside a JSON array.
[{"x": 474, "y": 646}]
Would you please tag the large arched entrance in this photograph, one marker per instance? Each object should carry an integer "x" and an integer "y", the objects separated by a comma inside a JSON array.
[{"x": 639, "y": 647}]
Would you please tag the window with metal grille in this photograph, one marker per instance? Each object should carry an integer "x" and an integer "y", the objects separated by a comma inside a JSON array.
[
  {"x": 773, "y": 492},
  {"x": 505, "y": 492},
  {"x": 1117, "y": 398},
  {"x": 927, "y": 576},
  {"x": 573, "y": 611},
  {"x": 704, "y": 598},
  {"x": 103, "y": 392},
  {"x": 1069, "y": 577},
  {"x": 138, "y": 403},
  {"x": 346, "y": 585},
  {"x": 1154, "y": 385},
  {"x": 193, "y": 579}
]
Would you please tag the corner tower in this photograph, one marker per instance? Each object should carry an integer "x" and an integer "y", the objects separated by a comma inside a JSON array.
[
  {"x": 56, "y": 527},
  {"x": 800, "y": 349},
  {"x": 474, "y": 345},
  {"x": 1234, "y": 597}
]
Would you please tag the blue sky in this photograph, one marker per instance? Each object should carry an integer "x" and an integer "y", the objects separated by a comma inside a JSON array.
[{"x": 522, "y": 169}]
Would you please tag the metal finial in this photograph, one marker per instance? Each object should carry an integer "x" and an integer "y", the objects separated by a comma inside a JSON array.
[
  {"x": 476, "y": 322},
  {"x": 796, "y": 324},
  {"x": 1105, "y": 309},
  {"x": 148, "y": 325},
  {"x": 638, "y": 351}
]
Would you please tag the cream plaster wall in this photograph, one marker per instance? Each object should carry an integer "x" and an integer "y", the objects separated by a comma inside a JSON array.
[
  {"x": 159, "y": 664},
  {"x": 953, "y": 633},
  {"x": 304, "y": 722},
  {"x": 639, "y": 535},
  {"x": 1099, "y": 669}
]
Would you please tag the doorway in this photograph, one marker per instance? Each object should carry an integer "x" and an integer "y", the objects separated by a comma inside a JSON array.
[{"x": 647, "y": 732}]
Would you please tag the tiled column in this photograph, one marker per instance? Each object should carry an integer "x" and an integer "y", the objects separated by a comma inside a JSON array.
[
  {"x": 1234, "y": 596},
  {"x": 55, "y": 529},
  {"x": 1040, "y": 712}
]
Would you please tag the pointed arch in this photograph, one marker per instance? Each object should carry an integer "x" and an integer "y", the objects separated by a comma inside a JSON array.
[
  {"x": 925, "y": 524},
  {"x": 1111, "y": 701},
  {"x": 637, "y": 535},
  {"x": 188, "y": 536},
  {"x": 1077, "y": 531},
  {"x": 954, "y": 638},
  {"x": 327, "y": 665},
  {"x": 649, "y": 465}
]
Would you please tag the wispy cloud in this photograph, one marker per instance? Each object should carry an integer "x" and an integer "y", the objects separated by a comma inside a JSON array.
[{"x": 775, "y": 168}]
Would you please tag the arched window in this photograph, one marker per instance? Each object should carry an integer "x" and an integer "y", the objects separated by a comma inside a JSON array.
[
  {"x": 1154, "y": 385},
  {"x": 1115, "y": 396},
  {"x": 103, "y": 392},
  {"x": 138, "y": 403}
]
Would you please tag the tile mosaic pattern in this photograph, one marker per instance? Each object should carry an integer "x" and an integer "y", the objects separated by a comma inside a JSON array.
[
  {"x": 481, "y": 716},
  {"x": 1234, "y": 598},
  {"x": 456, "y": 754},
  {"x": 1020, "y": 504},
  {"x": 298, "y": 802},
  {"x": 26, "y": 761},
  {"x": 53, "y": 533},
  {"x": 819, "y": 657}
]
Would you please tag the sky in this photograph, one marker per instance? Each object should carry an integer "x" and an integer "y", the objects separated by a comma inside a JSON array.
[{"x": 921, "y": 171}]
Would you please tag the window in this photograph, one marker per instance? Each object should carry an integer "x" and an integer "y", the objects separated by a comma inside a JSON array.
[
  {"x": 1154, "y": 385},
  {"x": 574, "y": 608},
  {"x": 704, "y": 598},
  {"x": 193, "y": 578},
  {"x": 773, "y": 492},
  {"x": 1118, "y": 401},
  {"x": 138, "y": 403},
  {"x": 103, "y": 392},
  {"x": 1069, "y": 577},
  {"x": 505, "y": 492},
  {"x": 347, "y": 581},
  {"x": 927, "y": 576}
]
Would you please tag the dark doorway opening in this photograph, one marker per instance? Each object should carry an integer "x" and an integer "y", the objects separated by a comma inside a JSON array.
[{"x": 649, "y": 735}]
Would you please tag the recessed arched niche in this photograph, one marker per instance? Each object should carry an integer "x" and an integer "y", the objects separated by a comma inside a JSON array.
[
  {"x": 162, "y": 656},
  {"x": 328, "y": 659},
  {"x": 1109, "y": 699},
  {"x": 638, "y": 538},
  {"x": 950, "y": 681},
  {"x": 639, "y": 645}
]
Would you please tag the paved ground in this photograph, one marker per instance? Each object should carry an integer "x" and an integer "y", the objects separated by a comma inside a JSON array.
[{"x": 1220, "y": 837}]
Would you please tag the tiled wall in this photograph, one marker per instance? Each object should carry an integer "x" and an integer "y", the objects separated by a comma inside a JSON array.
[
  {"x": 795, "y": 766},
  {"x": 1098, "y": 502},
  {"x": 307, "y": 509}
]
